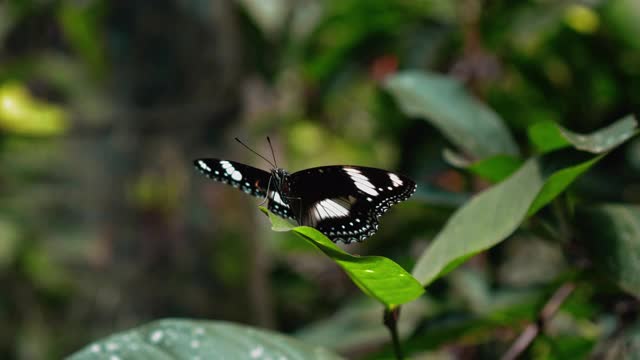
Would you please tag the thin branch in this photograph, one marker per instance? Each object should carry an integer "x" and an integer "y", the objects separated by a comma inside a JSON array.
[
  {"x": 532, "y": 330},
  {"x": 391, "y": 322}
]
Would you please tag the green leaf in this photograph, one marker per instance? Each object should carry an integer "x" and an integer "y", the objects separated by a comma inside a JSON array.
[
  {"x": 485, "y": 220},
  {"x": 443, "y": 101},
  {"x": 546, "y": 136},
  {"x": 277, "y": 223},
  {"x": 558, "y": 182},
  {"x": 377, "y": 276},
  {"x": 549, "y": 136},
  {"x": 491, "y": 216},
  {"x": 611, "y": 234},
  {"x": 604, "y": 139},
  {"x": 21, "y": 113},
  {"x": 194, "y": 339},
  {"x": 496, "y": 168}
]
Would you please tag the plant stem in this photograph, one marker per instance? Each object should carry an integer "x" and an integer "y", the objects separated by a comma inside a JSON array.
[
  {"x": 532, "y": 330},
  {"x": 391, "y": 322}
]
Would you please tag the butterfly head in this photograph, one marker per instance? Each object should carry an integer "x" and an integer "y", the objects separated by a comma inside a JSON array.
[{"x": 279, "y": 175}]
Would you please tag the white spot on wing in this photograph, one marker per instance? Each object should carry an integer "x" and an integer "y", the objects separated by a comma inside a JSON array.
[
  {"x": 361, "y": 182},
  {"x": 333, "y": 208},
  {"x": 237, "y": 176},
  {"x": 275, "y": 196},
  {"x": 395, "y": 179},
  {"x": 204, "y": 165},
  {"x": 322, "y": 212}
]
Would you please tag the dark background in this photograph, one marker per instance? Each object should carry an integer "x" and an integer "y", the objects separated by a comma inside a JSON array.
[{"x": 104, "y": 224}]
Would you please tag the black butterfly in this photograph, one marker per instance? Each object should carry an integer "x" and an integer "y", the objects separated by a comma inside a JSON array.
[{"x": 343, "y": 202}]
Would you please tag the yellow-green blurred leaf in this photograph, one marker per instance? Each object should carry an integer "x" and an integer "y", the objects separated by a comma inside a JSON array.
[
  {"x": 20, "y": 113},
  {"x": 582, "y": 19}
]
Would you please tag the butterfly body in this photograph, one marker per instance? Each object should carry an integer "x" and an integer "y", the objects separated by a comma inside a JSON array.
[{"x": 343, "y": 202}]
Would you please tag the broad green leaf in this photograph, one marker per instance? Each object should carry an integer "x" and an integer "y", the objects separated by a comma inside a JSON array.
[
  {"x": 377, "y": 276},
  {"x": 491, "y": 216},
  {"x": 197, "y": 339},
  {"x": 611, "y": 234},
  {"x": 485, "y": 220},
  {"x": 443, "y": 101}
]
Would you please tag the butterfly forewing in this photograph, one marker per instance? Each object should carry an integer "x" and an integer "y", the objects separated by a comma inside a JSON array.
[
  {"x": 344, "y": 202},
  {"x": 251, "y": 180}
]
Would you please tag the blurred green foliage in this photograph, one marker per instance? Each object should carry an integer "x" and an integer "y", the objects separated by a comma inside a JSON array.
[{"x": 104, "y": 227}]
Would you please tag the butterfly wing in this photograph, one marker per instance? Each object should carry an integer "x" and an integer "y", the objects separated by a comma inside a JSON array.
[
  {"x": 252, "y": 181},
  {"x": 345, "y": 202}
]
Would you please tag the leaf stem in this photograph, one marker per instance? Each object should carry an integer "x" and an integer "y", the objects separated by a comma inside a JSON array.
[{"x": 390, "y": 320}]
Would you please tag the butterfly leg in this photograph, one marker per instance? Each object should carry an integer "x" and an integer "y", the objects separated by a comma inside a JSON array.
[{"x": 266, "y": 195}]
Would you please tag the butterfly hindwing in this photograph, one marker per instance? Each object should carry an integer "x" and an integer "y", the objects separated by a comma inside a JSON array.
[
  {"x": 279, "y": 204},
  {"x": 345, "y": 202},
  {"x": 252, "y": 181}
]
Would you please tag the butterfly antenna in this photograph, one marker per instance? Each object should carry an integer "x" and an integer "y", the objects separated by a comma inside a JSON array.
[
  {"x": 253, "y": 151},
  {"x": 272, "y": 153}
]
